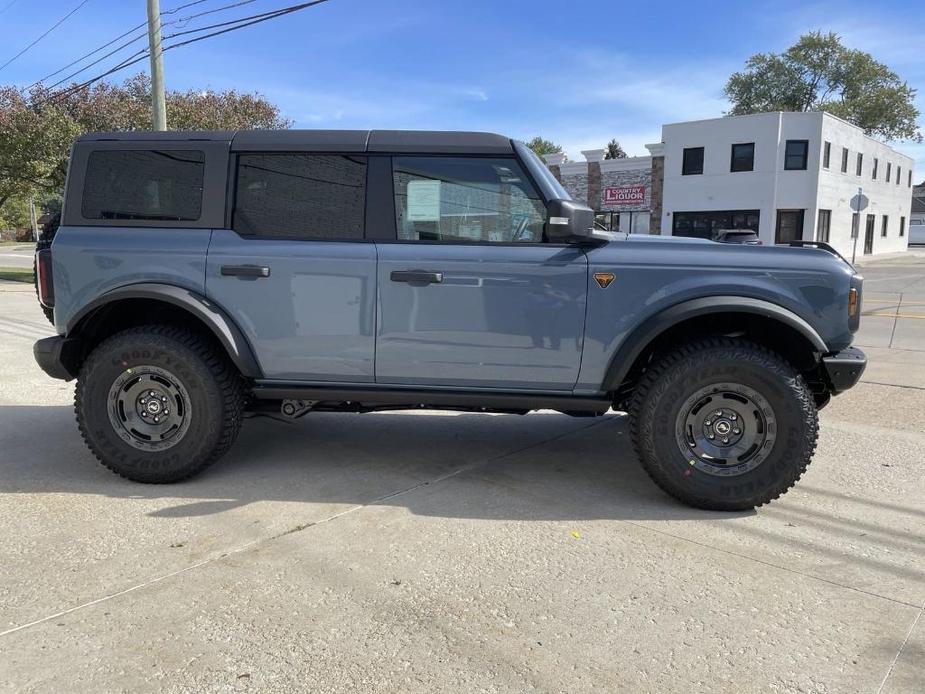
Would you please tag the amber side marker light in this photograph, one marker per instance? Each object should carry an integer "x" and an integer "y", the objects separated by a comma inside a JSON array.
[{"x": 852, "y": 303}]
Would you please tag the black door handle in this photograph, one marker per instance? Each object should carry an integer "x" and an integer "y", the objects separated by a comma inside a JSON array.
[
  {"x": 416, "y": 276},
  {"x": 246, "y": 270}
]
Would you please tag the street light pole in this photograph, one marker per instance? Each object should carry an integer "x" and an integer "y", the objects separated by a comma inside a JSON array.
[{"x": 158, "y": 99}]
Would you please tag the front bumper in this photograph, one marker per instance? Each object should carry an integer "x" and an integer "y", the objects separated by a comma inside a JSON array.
[
  {"x": 56, "y": 356},
  {"x": 844, "y": 369}
]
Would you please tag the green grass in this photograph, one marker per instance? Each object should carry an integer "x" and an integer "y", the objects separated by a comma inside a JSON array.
[{"x": 16, "y": 274}]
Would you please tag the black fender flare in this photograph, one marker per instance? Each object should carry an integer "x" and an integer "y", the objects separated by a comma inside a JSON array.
[
  {"x": 212, "y": 316},
  {"x": 634, "y": 344}
]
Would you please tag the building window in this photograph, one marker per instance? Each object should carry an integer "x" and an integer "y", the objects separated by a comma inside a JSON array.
[
  {"x": 824, "y": 225},
  {"x": 704, "y": 225},
  {"x": 300, "y": 196},
  {"x": 144, "y": 185},
  {"x": 902, "y": 226},
  {"x": 844, "y": 160},
  {"x": 795, "y": 155},
  {"x": 910, "y": 179},
  {"x": 883, "y": 226},
  {"x": 860, "y": 164},
  {"x": 876, "y": 166},
  {"x": 826, "y": 154},
  {"x": 889, "y": 168},
  {"x": 743, "y": 157},
  {"x": 693, "y": 161},
  {"x": 899, "y": 174}
]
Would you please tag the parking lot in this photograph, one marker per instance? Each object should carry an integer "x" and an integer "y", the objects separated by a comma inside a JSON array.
[{"x": 413, "y": 552}]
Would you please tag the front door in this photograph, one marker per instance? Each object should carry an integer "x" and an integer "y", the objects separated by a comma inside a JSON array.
[
  {"x": 869, "y": 235},
  {"x": 294, "y": 271},
  {"x": 469, "y": 294},
  {"x": 789, "y": 226}
]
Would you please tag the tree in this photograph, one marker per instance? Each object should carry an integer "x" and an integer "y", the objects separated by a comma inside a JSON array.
[
  {"x": 36, "y": 131},
  {"x": 614, "y": 150},
  {"x": 543, "y": 147},
  {"x": 819, "y": 73}
]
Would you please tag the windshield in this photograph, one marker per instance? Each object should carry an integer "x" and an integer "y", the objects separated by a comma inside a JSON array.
[{"x": 551, "y": 187}]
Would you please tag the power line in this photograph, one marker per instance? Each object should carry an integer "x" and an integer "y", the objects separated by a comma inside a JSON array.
[
  {"x": 131, "y": 41},
  {"x": 47, "y": 32},
  {"x": 241, "y": 23},
  {"x": 8, "y": 6}
]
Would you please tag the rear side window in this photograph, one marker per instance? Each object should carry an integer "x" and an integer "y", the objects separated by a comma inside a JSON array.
[
  {"x": 300, "y": 196},
  {"x": 151, "y": 185}
]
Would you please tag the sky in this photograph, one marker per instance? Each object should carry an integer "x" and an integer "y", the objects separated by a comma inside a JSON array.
[{"x": 578, "y": 72}]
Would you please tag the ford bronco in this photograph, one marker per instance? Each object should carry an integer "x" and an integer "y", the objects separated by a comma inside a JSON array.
[{"x": 198, "y": 276}]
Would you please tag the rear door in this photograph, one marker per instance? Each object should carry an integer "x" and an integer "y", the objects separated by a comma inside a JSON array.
[
  {"x": 470, "y": 293},
  {"x": 294, "y": 268}
]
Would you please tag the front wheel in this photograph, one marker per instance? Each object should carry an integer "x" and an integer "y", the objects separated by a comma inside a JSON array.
[
  {"x": 724, "y": 424},
  {"x": 157, "y": 403}
]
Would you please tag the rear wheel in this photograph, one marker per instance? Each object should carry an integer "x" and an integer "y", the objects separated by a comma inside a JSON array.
[
  {"x": 724, "y": 424},
  {"x": 158, "y": 403}
]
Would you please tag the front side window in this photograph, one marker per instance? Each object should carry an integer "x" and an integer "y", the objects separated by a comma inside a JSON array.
[
  {"x": 300, "y": 196},
  {"x": 743, "y": 157},
  {"x": 692, "y": 161},
  {"x": 149, "y": 185},
  {"x": 466, "y": 199},
  {"x": 795, "y": 154}
]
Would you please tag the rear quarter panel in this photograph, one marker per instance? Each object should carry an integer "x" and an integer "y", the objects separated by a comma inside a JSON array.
[
  {"x": 654, "y": 273},
  {"x": 89, "y": 261}
]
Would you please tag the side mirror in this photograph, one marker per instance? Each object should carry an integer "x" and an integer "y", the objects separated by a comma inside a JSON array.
[{"x": 567, "y": 220}]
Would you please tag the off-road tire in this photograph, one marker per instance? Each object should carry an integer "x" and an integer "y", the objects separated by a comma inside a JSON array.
[
  {"x": 676, "y": 376},
  {"x": 214, "y": 388}
]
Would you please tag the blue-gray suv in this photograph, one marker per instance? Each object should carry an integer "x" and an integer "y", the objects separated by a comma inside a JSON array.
[{"x": 198, "y": 276}]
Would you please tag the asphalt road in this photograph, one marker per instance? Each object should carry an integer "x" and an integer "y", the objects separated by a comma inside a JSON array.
[
  {"x": 413, "y": 552},
  {"x": 20, "y": 255}
]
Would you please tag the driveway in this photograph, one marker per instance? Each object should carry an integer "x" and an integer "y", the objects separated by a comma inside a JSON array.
[{"x": 411, "y": 552}]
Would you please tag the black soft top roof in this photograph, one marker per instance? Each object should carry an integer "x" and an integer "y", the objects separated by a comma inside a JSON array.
[{"x": 385, "y": 141}]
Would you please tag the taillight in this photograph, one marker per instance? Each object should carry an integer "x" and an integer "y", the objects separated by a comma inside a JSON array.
[
  {"x": 852, "y": 302},
  {"x": 44, "y": 280}
]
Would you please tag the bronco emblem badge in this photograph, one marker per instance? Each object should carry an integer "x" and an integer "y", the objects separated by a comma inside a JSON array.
[{"x": 603, "y": 279}]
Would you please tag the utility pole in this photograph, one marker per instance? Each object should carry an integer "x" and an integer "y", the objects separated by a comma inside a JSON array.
[
  {"x": 158, "y": 99},
  {"x": 33, "y": 220}
]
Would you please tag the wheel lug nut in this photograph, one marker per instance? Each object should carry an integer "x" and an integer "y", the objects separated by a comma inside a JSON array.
[
  {"x": 725, "y": 440},
  {"x": 166, "y": 411},
  {"x": 733, "y": 417},
  {"x": 736, "y": 431},
  {"x": 163, "y": 399},
  {"x": 708, "y": 423},
  {"x": 144, "y": 414},
  {"x": 711, "y": 436}
]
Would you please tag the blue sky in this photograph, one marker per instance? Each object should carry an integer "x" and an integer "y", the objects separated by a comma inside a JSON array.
[{"x": 576, "y": 72}]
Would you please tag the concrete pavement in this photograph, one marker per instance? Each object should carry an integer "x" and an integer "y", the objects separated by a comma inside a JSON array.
[{"x": 423, "y": 552}]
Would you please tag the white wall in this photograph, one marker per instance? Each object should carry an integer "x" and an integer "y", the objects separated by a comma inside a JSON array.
[
  {"x": 770, "y": 187},
  {"x": 836, "y": 189}
]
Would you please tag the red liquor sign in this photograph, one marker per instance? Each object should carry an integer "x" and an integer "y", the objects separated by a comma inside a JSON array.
[{"x": 624, "y": 195}]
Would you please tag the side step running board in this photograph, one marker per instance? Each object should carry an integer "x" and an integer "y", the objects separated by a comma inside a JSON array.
[{"x": 433, "y": 398}]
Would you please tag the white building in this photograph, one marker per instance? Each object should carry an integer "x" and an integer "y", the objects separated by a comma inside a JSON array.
[{"x": 787, "y": 176}]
